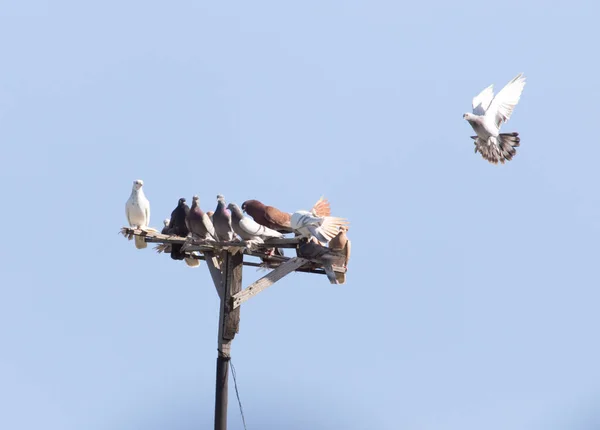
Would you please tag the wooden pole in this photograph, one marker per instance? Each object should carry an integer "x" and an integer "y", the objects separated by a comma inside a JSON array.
[{"x": 229, "y": 322}]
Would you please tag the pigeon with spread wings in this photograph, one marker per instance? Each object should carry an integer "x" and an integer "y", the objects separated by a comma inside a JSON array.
[
  {"x": 489, "y": 113},
  {"x": 322, "y": 228}
]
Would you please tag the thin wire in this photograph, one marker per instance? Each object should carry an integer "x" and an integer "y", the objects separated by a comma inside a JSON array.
[{"x": 237, "y": 392}]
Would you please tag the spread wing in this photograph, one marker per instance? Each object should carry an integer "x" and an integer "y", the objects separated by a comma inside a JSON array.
[
  {"x": 482, "y": 101},
  {"x": 505, "y": 101},
  {"x": 321, "y": 208},
  {"x": 275, "y": 216}
]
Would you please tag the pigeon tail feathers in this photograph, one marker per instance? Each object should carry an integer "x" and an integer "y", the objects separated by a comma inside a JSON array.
[
  {"x": 498, "y": 149},
  {"x": 140, "y": 243}
]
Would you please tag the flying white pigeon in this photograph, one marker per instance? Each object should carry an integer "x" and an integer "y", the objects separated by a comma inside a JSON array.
[
  {"x": 489, "y": 113},
  {"x": 322, "y": 228},
  {"x": 137, "y": 210}
]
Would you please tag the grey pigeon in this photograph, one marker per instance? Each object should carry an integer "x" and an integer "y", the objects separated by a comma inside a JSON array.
[
  {"x": 247, "y": 228},
  {"x": 137, "y": 210},
  {"x": 322, "y": 228},
  {"x": 199, "y": 223},
  {"x": 489, "y": 113},
  {"x": 165, "y": 229},
  {"x": 222, "y": 221},
  {"x": 178, "y": 227}
]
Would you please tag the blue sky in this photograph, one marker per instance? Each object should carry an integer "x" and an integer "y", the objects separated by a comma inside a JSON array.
[{"x": 471, "y": 299}]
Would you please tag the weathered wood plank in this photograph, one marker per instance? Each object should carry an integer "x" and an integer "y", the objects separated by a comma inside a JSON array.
[
  {"x": 316, "y": 254},
  {"x": 267, "y": 280},
  {"x": 215, "y": 272},
  {"x": 155, "y": 236},
  {"x": 233, "y": 285}
]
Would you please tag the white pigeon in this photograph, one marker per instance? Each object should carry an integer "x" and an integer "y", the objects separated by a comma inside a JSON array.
[
  {"x": 137, "y": 210},
  {"x": 489, "y": 113},
  {"x": 322, "y": 228},
  {"x": 248, "y": 229}
]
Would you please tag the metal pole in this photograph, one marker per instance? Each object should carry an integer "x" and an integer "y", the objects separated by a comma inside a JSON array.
[{"x": 221, "y": 392}]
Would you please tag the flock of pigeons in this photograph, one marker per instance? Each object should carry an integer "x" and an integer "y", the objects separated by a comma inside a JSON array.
[
  {"x": 489, "y": 113},
  {"x": 229, "y": 224}
]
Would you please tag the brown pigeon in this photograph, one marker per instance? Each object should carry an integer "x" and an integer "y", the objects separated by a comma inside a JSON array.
[
  {"x": 341, "y": 244},
  {"x": 275, "y": 219}
]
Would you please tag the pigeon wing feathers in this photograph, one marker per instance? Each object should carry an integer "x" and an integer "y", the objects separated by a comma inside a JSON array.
[
  {"x": 210, "y": 228},
  {"x": 331, "y": 227},
  {"x": 303, "y": 219},
  {"x": 503, "y": 104},
  {"x": 252, "y": 228},
  {"x": 482, "y": 101},
  {"x": 127, "y": 214},
  {"x": 321, "y": 208},
  {"x": 277, "y": 217}
]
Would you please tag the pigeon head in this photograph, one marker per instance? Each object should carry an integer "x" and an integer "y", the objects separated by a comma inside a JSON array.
[
  {"x": 195, "y": 202},
  {"x": 181, "y": 201},
  {"x": 468, "y": 116},
  {"x": 220, "y": 197},
  {"x": 251, "y": 205},
  {"x": 137, "y": 184},
  {"x": 235, "y": 209},
  {"x": 166, "y": 221}
]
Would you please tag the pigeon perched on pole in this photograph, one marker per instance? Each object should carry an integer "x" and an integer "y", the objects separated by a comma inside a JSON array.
[
  {"x": 275, "y": 219},
  {"x": 489, "y": 113},
  {"x": 168, "y": 248},
  {"x": 178, "y": 227},
  {"x": 222, "y": 221},
  {"x": 248, "y": 229},
  {"x": 199, "y": 223},
  {"x": 137, "y": 210},
  {"x": 322, "y": 228},
  {"x": 268, "y": 216},
  {"x": 341, "y": 244}
]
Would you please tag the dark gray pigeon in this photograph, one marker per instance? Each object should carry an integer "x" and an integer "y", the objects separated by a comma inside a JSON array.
[
  {"x": 199, "y": 223},
  {"x": 222, "y": 221},
  {"x": 178, "y": 227},
  {"x": 165, "y": 230}
]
